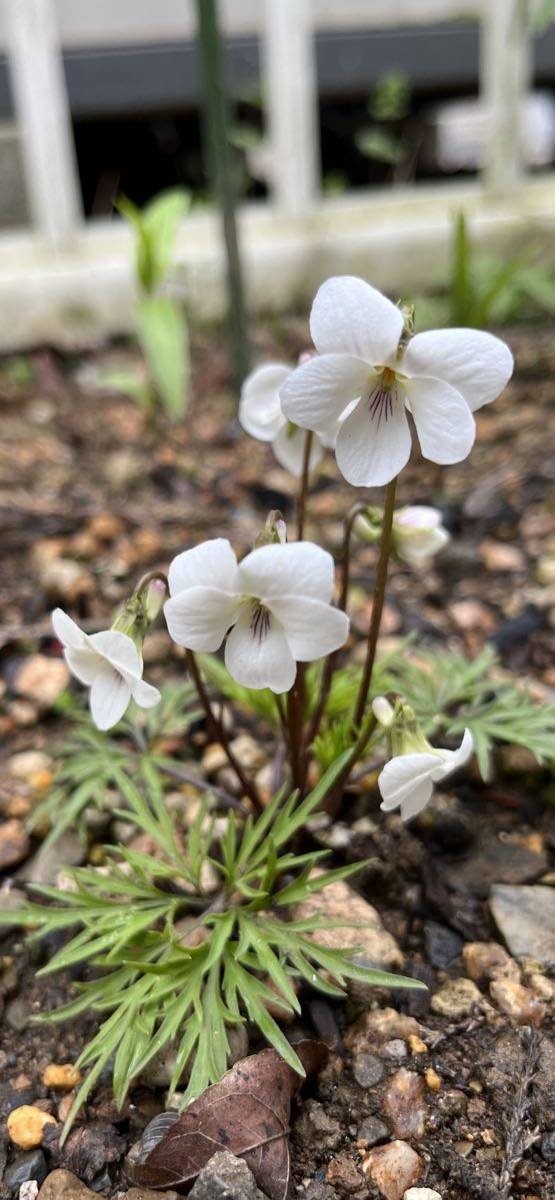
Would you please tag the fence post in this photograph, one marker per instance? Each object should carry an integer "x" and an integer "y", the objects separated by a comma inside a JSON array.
[
  {"x": 291, "y": 92},
  {"x": 41, "y": 105},
  {"x": 505, "y": 55}
]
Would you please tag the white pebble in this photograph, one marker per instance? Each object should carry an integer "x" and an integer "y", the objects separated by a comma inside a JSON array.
[
  {"x": 421, "y": 1194},
  {"x": 29, "y": 1190}
]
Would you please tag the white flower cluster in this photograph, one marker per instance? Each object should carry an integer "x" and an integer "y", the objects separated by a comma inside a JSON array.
[{"x": 274, "y": 609}]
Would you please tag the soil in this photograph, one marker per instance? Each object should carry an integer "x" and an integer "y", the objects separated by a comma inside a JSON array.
[{"x": 89, "y": 477}]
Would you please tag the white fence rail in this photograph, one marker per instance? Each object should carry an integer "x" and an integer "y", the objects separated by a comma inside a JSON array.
[{"x": 65, "y": 277}]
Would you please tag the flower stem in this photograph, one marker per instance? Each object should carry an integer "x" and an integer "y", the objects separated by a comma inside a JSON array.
[
  {"x": 295, "y": 723},
  {"x": 378, "y": 602},
  {"x": 303, "y": 489},
  {"x": 149, "y": 578},
  {"x": 219, "y": 733},
  {"x": 331, "y": 660}
]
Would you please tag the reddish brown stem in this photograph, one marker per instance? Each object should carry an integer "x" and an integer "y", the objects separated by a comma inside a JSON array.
[
  {"x": 219, "y": 733},
  {"x": 377, "y": 603},
  {"x": 331, "y": 660}
]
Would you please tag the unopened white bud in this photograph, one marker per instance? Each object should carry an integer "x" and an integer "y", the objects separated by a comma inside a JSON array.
[
  {"x": 383, "y": 711},
  {"x": 418, "y": 533}
]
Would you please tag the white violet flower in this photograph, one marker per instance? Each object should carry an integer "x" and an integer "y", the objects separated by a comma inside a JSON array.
[
  {"x": 261, "y": 415},
  {"x": 418, "y": 533},
  {"x": 441, "y": 377},
  {"x": 276, "y": 602},
  {"x": 107, "y": 662},
  {"x": 407, "y": 780}
]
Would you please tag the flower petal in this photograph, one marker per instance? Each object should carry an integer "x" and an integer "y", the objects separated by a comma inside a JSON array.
[
  {"x": 444, "y": 423},
  {"x": 260, "y": 662},
  {"x": 144, "y": 694},
  {"x": 83, "y": 663},
  {"x": 67, "y": 631},
  {"x": 405, "y": 776},
  {"x": 417, "y": 801},
  {"x": 317, "y": 393},
  {"x": 109, "y": 698},
  {"x": 312, "y": 629},
  {"x": 370, "y": 451},
  {"x": 296, "y": 569},
  {"x": 477, "y": 364},
  {"x": 453, "y": 759},
  {"x": 260, "y": 410},
  {"x": 350, "y": 317},
  {"x": 212, "y": 564},
  {"x": 289, "y": 447},
  {"x": 199, "y": 617},
  {"x": 119, "y": 650}
]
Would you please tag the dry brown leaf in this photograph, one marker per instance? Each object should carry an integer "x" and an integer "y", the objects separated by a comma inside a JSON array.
[{"x": 247, "y": 1113}]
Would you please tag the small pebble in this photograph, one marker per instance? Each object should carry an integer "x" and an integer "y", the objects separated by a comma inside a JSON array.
[
  {"x": 485, "y": 961},
  {"x": 417, "y": 1046},
  {"x": 343, "y": 1174},
  {"x": 61, "y": 1077},
  {"x": 248, "y": 752},
  {"x": 457, "y": 998},
  {"x": 404, "y": 1104},
  {"x": 372, "y": 1131},
  {"x": 14, "y": 843},
  {"x": 395, "y": 1049},
  {"x": 433, "y": 1080},
  {"x": 517, "y": 1002},
  {"x": 64, "y": 1185},
  {"x": 17, "y": 1015},
  {"x": 64, "y": 1106},
  {"x": 25, "y": 1168},
  {"x": 213, "y": 759},
  {"x": 42, "y": 679},
  {"x": 393, "y": 1168},
  {"x": 27, "y": 764},
  {"x": 29, "y": 1190},
  {"x": 367, "y": 1069},
  {"x": 26, "y": 1126},
  {"x": 421, "y": 1194},
  {"x": 442, "y": 944}
]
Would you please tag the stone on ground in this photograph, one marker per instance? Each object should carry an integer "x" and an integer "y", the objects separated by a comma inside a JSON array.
[
  {"x": 26, "y": 1126},
  {"x": 525, "y": 917},
  {"x": 457, "y": 998},
  {"x": 339, "y": 902},
  {"x": 485, "y": 961},
  {"x": 226, "y": 1177},
  {"x": 64, "y": 1185},
  {"x": 393, "y": 1168}
]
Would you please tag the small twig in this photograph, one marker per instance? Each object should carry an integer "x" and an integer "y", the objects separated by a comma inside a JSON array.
[
  {"x": 378, "y": 601},
  {"x": 219, "y": 733},
  {"x": 303, "y": 489}
]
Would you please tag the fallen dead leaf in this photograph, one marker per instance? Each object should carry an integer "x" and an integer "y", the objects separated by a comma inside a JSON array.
[{"x": 247, "y": 1112}]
